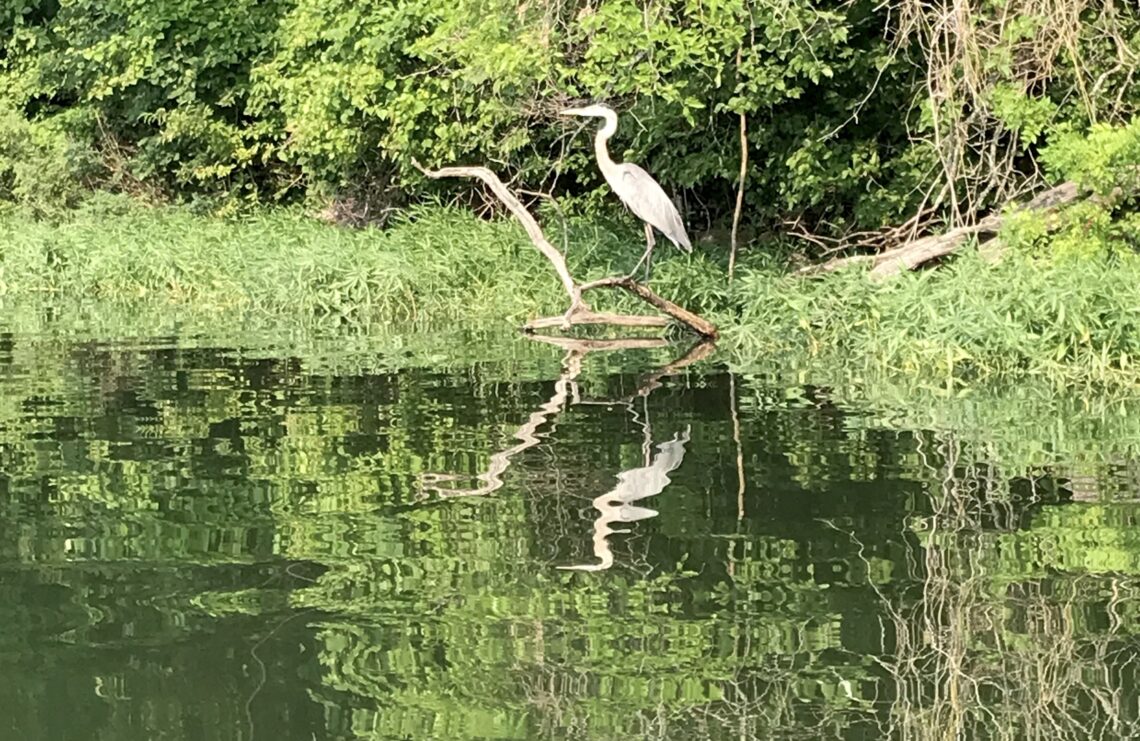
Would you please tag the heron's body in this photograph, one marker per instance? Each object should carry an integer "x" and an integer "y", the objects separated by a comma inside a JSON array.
[{"x": 635, "y": 187}]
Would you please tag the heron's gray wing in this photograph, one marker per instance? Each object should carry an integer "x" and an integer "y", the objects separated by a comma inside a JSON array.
[{"x": 648, "y": 201}]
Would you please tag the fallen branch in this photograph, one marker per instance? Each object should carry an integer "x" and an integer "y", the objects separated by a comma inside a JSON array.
[
  {"x": 579, "y": 312},
  {"x": 578, "y": 315},
  {"x": 533, "y": 230},
  {"x": 582, "y": 316},
  {"x": 920, "y": 251}
]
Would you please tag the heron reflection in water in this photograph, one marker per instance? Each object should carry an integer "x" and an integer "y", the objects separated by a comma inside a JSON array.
[{"x": 617, "y": 504}]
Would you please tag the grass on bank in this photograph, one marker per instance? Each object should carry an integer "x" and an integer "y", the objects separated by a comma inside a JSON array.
[
  {"x": 1070, "y": 319},
  {"x": 436, "y": 264},
  {"x": 1066, "y": 320}
]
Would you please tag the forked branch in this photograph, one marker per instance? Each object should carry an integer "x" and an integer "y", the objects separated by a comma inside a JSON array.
[
  {"x": 533, "y": 230},
  {"x": 579, "y": 312}
]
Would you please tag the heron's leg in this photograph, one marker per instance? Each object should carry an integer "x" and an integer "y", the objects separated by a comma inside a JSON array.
[{"x": 650, "y": 241}]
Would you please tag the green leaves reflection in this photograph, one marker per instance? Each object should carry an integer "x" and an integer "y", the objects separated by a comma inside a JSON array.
[{"x": 250, "y": 532}]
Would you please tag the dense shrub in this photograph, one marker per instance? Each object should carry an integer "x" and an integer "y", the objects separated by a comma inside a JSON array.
[
  {"x": 856, "y": 114},
  {"x": 367, "y": 84},
  {"x": 42, "y": 167},
  {"x": 166, "y": 79}
]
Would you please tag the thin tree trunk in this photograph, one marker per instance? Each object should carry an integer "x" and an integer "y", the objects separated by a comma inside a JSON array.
[{"x": 740, "y": 184}]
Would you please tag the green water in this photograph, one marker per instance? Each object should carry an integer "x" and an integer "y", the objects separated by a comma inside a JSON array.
[{"x": 207, "y": 539}]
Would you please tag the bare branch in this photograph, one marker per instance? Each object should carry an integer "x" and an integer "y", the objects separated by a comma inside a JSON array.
[
  {"x": 917, "y": 252},
  {"x": 594, "y": 317},
  {"x": 579, "y": 312},
  {"x": 533, "y": 230},
  {"x": 698, "y": 324}
]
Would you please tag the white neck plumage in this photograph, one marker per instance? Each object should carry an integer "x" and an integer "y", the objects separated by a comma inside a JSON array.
[{"x": 602, "y": 137}]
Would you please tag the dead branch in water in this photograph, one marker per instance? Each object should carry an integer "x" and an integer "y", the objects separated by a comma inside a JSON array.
[
  {"x": 694, "y": 322},
  {"x": 579, "y": 312},
  {"x": 585, "y": 316}
]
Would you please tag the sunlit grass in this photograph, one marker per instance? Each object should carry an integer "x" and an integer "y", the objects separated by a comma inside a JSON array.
[
  {"x": 1073, "y": 320},
  {"x": 432, "y": 264},
  {"x": 944, "y": 330},
  {"x": 435, "y": 264}
]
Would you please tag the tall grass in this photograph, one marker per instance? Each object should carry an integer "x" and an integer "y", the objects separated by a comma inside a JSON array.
[
  {"x": 434, "y": 264},
  {"x": 1071, "y": 320},
  {"x": 1075, "y": 321}
]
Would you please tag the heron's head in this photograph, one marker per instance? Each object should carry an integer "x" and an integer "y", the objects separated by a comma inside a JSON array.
[{"x": 597, "y": 111}]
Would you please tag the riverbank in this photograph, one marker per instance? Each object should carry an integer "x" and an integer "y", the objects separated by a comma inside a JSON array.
[{"x": 1060, "y": 321}]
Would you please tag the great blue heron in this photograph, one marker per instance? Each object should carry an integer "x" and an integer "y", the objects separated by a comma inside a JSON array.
[{"x": 636, "y": 188}]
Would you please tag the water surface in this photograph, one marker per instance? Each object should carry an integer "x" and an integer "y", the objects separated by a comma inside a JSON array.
[{"x": 225, "y": 540}]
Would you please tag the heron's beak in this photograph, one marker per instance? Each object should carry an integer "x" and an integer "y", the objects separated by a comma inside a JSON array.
[{"x": 572, "y": 112}]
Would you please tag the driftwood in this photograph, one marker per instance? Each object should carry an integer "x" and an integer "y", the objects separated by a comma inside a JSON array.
[
  {"x": 920, "y": 251},
  {"x": 579, "y": 311}
]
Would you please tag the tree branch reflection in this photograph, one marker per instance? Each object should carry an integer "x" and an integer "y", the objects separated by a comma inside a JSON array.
[
  {"x": 491, "y": 480},
  {"x": 616, "y": 505}
]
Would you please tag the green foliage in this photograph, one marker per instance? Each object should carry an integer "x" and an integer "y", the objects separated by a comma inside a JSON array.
[
  {"x": 42, "y": 166},
  {"x": 170, "y": 79},
  {"x": 266, "y": 100},
  {"x": 239, "y": 96},
  {"x": 1026, "y": 116},
  {"x": 434, "y": 264},
  {"x": 1065, "y": 320},
  {"x": 1071, "y": 317},
  {"x": 424, "y": 269},
  {"x": 458, "y": 81},
  {"x": 1103, "y": 159}
]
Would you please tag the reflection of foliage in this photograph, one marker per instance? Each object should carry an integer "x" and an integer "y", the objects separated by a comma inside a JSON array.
[
  {"x": 1090, "y": 538},
  {"x": 607, "y": 655},
  {"x": 995, "y": 643},
  {"x": 869, "y": 582}
]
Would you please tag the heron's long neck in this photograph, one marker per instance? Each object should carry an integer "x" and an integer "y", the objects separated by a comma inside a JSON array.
[{"x": 605, "y": 163}]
